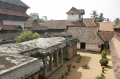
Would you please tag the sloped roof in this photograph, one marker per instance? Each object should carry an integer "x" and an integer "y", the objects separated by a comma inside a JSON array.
[
  {"x": 89, "y": 21},
  {"x": 106, "y": 36},
  {"x": 75, "y": 23},
  {"x": 62, "y": 24},
  {"x": 9, "y": 35},
  {"x": 13, "y": 12},
  {"x": 73, "y": 10},
  {"x": 16, "y": 2},
  {"x": 85, "y": 34},
  {"x": 55, "y": 24},
  {"x": 34, "y": 25},
  {"x": 106, "y": 26},
  {"x": 8, "y": 27},
  {"x": 9, "y": 62}
]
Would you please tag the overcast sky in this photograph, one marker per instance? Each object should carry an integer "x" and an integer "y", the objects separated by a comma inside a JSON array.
[{"x": 56, "y": 9}]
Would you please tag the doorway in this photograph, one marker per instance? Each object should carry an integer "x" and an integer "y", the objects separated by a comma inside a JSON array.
[{"x": 82, "y": 45}]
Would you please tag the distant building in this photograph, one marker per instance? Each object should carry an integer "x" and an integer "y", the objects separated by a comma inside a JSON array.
[
  {"x": 85, "y": 29},
  {"x": 44, "y": 18}
]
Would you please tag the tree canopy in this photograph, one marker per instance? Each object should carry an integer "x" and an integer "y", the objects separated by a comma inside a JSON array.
[
  {"x": 98, "y": 17},
  {"x": 117, "y": 20},
  {"x": 27, "y": 35},
  {"x": 36, "y": 16}
]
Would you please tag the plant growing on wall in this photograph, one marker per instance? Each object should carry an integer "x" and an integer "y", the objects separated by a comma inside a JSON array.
[{"x": 27, "y": 35}]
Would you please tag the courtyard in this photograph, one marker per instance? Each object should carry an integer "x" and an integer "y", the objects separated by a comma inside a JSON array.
[{"x": 89, "y": 58}]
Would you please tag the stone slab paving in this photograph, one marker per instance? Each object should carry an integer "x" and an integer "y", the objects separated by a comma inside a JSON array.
[{"x": 90, "y": 58}]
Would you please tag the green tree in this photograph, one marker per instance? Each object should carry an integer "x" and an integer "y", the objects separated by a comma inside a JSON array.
[
  {"x": 98, "y": 17},
  {"x": 101, "y": 18},
  {"x": 94, "y": 14},
  {"x": 117, "y": 20},
  {"x": 27, "y": 35},
  {"x": 36, "y": 16}
]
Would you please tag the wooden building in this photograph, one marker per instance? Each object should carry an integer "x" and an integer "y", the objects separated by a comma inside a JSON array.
[
  {"x": 12, "y": 17},
  {"x": 32, "y": 24}
]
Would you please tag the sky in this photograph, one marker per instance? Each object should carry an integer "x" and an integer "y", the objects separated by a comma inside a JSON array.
[{"x": 56, "y": 9}]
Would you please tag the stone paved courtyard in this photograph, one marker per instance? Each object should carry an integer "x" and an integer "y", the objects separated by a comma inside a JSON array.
[{"x": 90, "y": 58}]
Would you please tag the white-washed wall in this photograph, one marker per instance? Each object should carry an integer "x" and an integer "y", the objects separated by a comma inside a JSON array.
[
  {"x": 10, "y": 22},
  {"x": 92, "y": 47},
  {"x": 74, "y": 17},
  {"x": 23, "y": 71}
]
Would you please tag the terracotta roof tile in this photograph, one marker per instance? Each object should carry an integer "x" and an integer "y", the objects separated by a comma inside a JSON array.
[
  {"x": 106, "y": 36},
  {"x": 86, "y": 34},
  {"x": 75, "y": 23},
  {"x": 55, "y": 24},
  {"x": 34, "y": 25},
  {"x": 73, "y": 10},
  {"x": 106, "y": 26},
  {"x": 89, "y": 21},
  {"x": 12, "y": 12},
  {"x": 16, "y": 2}
]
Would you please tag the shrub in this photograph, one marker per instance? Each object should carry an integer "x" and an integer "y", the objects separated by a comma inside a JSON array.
[
  {"x": 100, "y": 77},
  {"x": 27, "y": 35},
  {"x": 104, "y": 54},
  {"x": 104, "y": 62}
]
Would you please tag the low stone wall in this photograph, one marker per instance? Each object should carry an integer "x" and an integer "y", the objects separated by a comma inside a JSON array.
[{"x": 115, "y": 60}]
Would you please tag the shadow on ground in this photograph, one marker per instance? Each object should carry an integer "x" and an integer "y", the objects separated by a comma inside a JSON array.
[{"x": 74, "y": 73}]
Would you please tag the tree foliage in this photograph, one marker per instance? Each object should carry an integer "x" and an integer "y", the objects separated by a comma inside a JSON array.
[
  {"x": 98, "y": 17},
  {"x": 27, "y": 35},
  {"x": 36, "y": 16},
  {"x": 100, "y": 77},
  {"x": 117, "y": 20},
  {"x": 104, "y": 62}
]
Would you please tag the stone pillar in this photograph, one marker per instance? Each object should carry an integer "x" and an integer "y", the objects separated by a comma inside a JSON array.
[
  {"x": 45, "y": 65},
  {"x": 61, "y": 55},
  {"x": 51, "y": 62},
  {"x": 56, "y": 58}
]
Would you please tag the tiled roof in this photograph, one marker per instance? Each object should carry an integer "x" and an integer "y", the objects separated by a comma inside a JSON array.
[
  {"x": 106, "y": 26},
  {"x": 34, "y": 25},
  {"x": 12, "y": 12},
  {"x": 62, "y": 24},
  {"x": 73, "y": 10},
  {"x": 16, "y": 2},
  {"x": 8, "y": 27},
  {"x": 55, "y": 24},
  {"x": 106, "y": 36},
  {"x": 75, "y": 23},
  {"x": 89, "y": 21},
  {"x": 9, "y": 35},
  {"x": 85, "y": 34}
]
